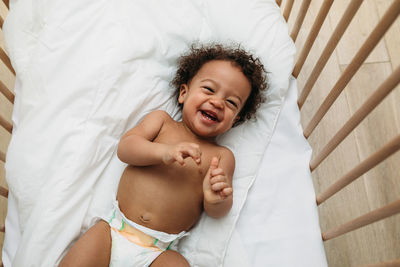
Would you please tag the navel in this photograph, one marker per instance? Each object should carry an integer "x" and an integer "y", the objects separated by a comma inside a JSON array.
[{"x": 146, "y": 217}]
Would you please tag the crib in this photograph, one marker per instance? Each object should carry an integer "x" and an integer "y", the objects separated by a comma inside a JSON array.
[{"x": 348, "y": 55}]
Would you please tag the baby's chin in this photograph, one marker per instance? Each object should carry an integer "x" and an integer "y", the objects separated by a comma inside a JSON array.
[
  {"x": 210, "y": 136},
  {"x": 205, "y": 131},
  {"x": 204, "y": 134}
]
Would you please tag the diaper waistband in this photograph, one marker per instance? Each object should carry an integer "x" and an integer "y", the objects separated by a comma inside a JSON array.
[{"x": 140, "y": 234}]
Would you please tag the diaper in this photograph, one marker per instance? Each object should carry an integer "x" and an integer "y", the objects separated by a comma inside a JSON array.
[{"x": 134, "y": 245}]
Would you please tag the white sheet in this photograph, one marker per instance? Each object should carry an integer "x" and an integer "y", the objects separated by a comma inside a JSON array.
[
  {"x": 282, "y": 231},
  {"x": 89, "y": 70}
]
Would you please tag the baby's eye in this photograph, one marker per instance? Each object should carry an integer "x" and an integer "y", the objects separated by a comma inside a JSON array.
[
  {"x": 208, "y": 89},
  {"x": 232, "y": 103}
]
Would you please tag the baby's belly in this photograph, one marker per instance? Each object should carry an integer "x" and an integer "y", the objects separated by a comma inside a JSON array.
[{"x": 151, "y": 197}]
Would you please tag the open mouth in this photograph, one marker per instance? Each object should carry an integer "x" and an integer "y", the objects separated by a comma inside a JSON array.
[{"x": 209, "y": 115}]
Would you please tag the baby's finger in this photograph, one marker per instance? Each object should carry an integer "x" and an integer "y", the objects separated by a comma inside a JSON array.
[
  {"x": 214, "y": 163},
  {"x": 217, "y": 171},
  {"x": 195, "y": 154},
  {"x": 219, "y": 186},
  {"x": 180, "y": 159},
  {"x": 226, "y": 192},
  {"x": 217, "y": 179}
]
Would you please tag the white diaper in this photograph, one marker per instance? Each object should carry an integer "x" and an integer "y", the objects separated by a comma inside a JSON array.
[{"x": 134, "y": 245}]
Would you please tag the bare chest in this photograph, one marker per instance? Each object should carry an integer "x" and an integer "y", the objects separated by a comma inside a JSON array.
[{"x": 173, "y": 134}]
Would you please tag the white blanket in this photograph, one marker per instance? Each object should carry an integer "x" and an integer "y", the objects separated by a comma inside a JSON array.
[
  {"x": 89, "y": 70},
  {"x": 278, "y": 225}
]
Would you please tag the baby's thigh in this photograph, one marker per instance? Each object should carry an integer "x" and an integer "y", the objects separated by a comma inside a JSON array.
[
  {"x": 92, "y": 249},
  {"x": 170, "y": 258}
]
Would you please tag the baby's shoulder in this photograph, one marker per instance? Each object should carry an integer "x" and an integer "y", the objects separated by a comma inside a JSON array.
[
  {"x": 226, "y": 153},
  {"x": 159, "y": 115},
  {"x": 226, "y": 160}
]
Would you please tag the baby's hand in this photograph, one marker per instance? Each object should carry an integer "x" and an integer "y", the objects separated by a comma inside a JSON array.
[
  {"x": 181, "y": 151},
  {"x": 216, "y": 185}
]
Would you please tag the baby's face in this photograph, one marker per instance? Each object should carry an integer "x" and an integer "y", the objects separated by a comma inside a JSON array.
[{"x": 213, "y": 98}]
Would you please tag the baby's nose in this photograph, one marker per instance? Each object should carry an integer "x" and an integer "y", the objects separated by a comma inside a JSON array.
[{"x": 217, "y": 102}]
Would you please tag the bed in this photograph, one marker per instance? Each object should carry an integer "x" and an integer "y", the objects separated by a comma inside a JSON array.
[{"x": 88, "y": 71}]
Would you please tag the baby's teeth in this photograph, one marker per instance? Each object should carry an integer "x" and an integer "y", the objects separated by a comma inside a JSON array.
[{"x": 209, "y": 116}]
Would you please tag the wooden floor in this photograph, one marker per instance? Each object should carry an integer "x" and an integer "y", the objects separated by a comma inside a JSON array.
[{"x": 380, "y": 186}]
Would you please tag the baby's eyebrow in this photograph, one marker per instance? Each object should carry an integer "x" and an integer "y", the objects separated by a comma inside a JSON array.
[
  {"x": 210, "y": 80},
  {"x": 238, "y": 97}
]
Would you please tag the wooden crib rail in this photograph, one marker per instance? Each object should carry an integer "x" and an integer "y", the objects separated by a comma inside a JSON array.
[
  {"x": 370, "y": 104},
  {"x": 3, "y": 192},
  {"x": 300, "y": 19},
  {"x": 288, "y": 9},
  {"x": 5, "y": 124},
  {"x": 3, "y": 121},
  {"x": 327, "y": 52},
  {"x": 316, "y": 27},
  {"x": 7, "y": 3},
  {"x": 7, "y": 92},
  {"x": 372, "y": 40},
  {"x": 377, "y": 171},
  {"x": 6, "y": 60},
  {"x": 2, "y": 156},
  {"x": 387, "y": 150},
  {"x": 371, "y": 217},
  {"x": 10, "y": 97}
]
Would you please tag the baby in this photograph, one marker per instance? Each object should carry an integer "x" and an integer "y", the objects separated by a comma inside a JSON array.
[{"x": 175, "y": 169}]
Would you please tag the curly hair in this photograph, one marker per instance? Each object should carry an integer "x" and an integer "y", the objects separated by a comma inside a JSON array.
[{"x": 191, "y": 62}]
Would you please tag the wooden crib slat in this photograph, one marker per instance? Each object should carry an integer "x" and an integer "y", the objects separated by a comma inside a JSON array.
[
  {"x": 372, "y": 40},
  {"x": 300, "y": 18},
  {"x": 2, "y": 156},
  {"x": 7, "y": 3},
  {"x": 370, "y": 104},
  {"x": 323, "y": 12},
  {"x": 6, "y": 92},
  {"x": 279, "y": 2},
  {"x": 5, "y": 124},
  {"x": 387, "y": 150},
  {"x": 288, "y": 9},
  {"x": 6, "y": 60},
  {"x": 371, "y": 217},
  {"x": 393, "y": 263},
  {"x": 2, "y": 228},
  {"x": 3, "y": 192},
  {"x": 1, "y": 22},
  {"x": 336, "y": 36}
]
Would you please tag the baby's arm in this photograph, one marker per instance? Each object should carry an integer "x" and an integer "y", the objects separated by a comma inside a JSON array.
[
  {"x": 217, "y": 185},
  {"x": 137, "y": 148}
]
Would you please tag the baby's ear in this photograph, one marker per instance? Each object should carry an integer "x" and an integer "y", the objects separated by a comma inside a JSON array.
[{"x": 183, "y": 90}]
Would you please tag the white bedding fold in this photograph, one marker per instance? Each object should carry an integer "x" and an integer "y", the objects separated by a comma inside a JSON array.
[{"x": 284, "y": 230}]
